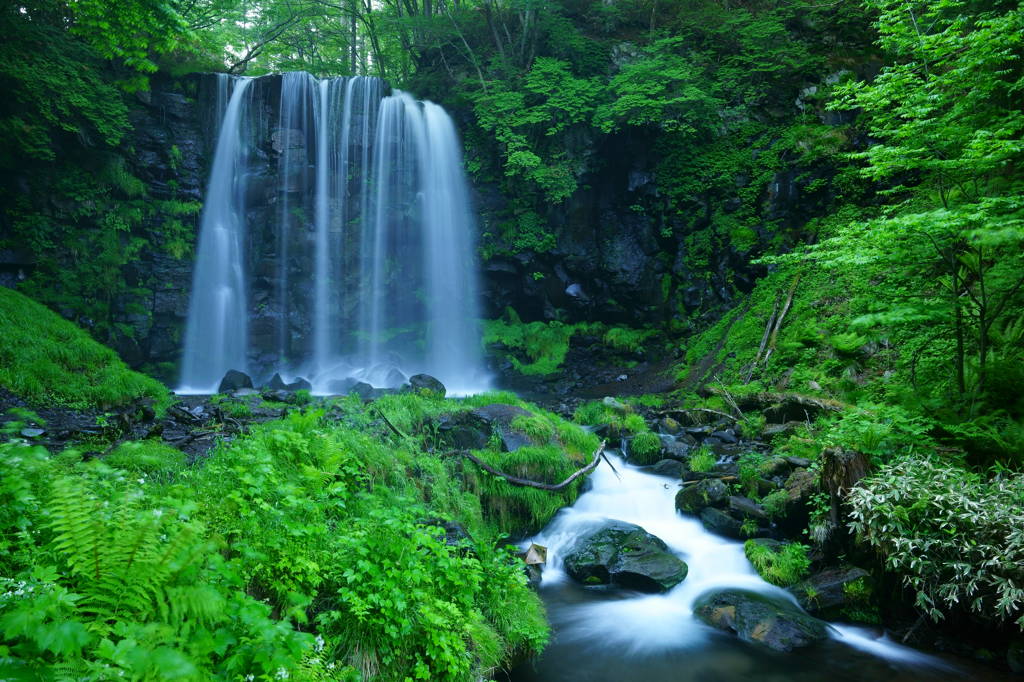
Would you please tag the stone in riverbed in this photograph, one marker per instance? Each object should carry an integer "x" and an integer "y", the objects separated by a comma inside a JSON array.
[
  {"x": 696, "y": 496},
  {"x": 425, "y": 382},
  {"x": 233, "y": 381},
  {"x": 756, "y": 618},
  {"x": 721, "y": 523},
  {"x": 829, "y": 591},
  {"x": 500, "y": 417},
  {"x": 626, "y": 555}
]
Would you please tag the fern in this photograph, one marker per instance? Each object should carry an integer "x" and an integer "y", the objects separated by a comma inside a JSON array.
[{"x": 126, "y": 561}]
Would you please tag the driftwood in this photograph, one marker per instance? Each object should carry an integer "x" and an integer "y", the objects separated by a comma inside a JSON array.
[
  {"x": 394, "y": 429},
  {"x": 770, "y": 400},
  {"x": 688, "y": 410},
  {"x": 527, "y": 483}
]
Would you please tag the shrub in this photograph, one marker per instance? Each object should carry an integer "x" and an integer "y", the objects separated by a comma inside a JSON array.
[
  {"x": 956, "y": 538},
  {"x": 645, "y": 447},
  {"x": 784, "y": 567}
]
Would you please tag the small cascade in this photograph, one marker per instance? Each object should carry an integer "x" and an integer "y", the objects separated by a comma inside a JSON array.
[
  {"x": 616, "y": 634},
  {"x": 359, "y": 264},
  {"x": 217, "y": 330}
]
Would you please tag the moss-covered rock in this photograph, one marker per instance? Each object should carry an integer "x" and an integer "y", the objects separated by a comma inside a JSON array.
[
  {"x": 758, "y": 619},
  {"x": 708, "y": 492},
  {"x": 625, "y": 555}
]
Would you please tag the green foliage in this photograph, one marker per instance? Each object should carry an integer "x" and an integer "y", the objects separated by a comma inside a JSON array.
[
  {"x": 645, "y": 448},
  {"x": 955, "y": 537},
  {"x": 303, "y": 547},
  {"x": 785, "y": 567},
  {"x": 49, "y": 361}
]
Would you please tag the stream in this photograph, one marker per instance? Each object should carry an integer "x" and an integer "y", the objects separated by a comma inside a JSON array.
[{"x": 616, "y": 634}]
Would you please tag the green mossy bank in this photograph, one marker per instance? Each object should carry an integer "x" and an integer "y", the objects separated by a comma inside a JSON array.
[{"x": 49, "y": 362}]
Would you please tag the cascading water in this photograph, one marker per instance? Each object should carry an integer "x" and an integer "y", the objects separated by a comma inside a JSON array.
[
  {"x": 217, "y": 330},
  {"x": 365, "y": 268},
  {"x": 614, "y": 635}
]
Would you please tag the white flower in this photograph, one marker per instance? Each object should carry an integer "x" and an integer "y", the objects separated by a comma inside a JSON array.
[
  {"x": 158, "y": 513},
  {"x": 319, "y": 643},
  {"x": 281, "y": 674}
]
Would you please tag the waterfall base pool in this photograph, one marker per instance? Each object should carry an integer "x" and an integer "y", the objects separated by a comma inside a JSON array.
[{"x": 615, "y": 635}]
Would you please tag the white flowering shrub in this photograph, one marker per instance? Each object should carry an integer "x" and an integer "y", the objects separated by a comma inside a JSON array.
[{"x": 955, "y": 537}]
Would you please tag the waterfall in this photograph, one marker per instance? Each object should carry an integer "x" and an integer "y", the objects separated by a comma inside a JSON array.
[
  {"x": 216, "y": 336},
  {"x": 358, "y": 265}
]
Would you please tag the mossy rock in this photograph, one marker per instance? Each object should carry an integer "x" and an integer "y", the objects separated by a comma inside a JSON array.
[
  {"x": 759, "y": 619},
  {"x": 626, "y": 555},
  {"x": 706, "y": 493}
]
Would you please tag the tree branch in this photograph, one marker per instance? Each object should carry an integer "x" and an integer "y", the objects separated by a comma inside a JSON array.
[{"x": 527, "y": 483}]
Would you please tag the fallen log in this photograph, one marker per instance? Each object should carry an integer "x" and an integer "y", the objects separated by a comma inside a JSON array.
[{"x": 527, "y": 483}]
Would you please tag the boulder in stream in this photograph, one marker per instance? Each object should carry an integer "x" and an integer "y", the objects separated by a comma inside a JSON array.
[
  {"x": 233, "y": 381},
  {"x": 710, "y": 492},
  {"x": 760, "y": 619},
  {"x": 425, "y": 382},
  {"x": 626, "y": 555}
]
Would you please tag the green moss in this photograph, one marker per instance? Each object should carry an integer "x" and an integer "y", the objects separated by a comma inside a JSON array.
[
  {"x": 645, "y": 448},
  {"x": 48, "y": 361},
  {"x": 702, "y": 460},
  {"x": 785, "y": 567},
  {"x": 544, "y": 344}
]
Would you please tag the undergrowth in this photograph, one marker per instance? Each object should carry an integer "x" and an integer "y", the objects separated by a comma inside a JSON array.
[{"x": 310, "y": 548}]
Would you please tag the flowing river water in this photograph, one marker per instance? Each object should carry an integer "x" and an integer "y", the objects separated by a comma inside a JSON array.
[{"x": 615, "y": 635}]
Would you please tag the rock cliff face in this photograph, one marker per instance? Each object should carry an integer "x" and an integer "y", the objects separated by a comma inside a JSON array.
[{"x": 619, "y": 257}]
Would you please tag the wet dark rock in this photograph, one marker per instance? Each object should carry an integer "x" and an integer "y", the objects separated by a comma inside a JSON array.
[
  {"x": 425, "y": 382},
  {"x": 755, "y": 618},
  {"x": 799, "y": 462},
  {"x": 706, "y": 493},
  {"x": 362, "y": 389},
  {"x": 678, "y": 450},
  {"x": 32, "y": 433},
  {"x": 722, "y": 523},
  {"x": 279, "y": 395},
  {"x": 233, "y": 381},
  {"x": 276, "y": 382},
  {"x": 726, "y": 436},
  {"x": 340, "y": 386},
  {"x": 668, "y": 467},
  {"x": 394, "y": 378},
  {"x": 499, "y": 417},
  {"x": 747, "y": 507},
  {"x": 463, "y": 431},
  {"x": 299, "y": 384},
  {"x": 669, "y": 425},
  {"x": 827, "y": 591},
  {"x": 626, "y": 555}
]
